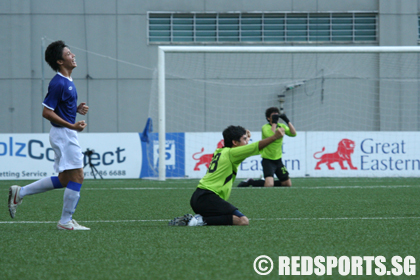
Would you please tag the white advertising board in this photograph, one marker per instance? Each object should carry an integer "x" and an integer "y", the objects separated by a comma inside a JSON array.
[
  {"x": 316, "y": 154},
  {"x": 116, "y": 155},
  {"x": 30, "y": 156},
  {"x": 363, "y": 154}
]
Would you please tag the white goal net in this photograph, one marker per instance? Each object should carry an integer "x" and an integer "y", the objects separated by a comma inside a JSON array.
[{"x": 367, "y": 95}]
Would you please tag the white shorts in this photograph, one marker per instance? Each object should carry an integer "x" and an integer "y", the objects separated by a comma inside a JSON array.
[{"x": 68, "y": 154}]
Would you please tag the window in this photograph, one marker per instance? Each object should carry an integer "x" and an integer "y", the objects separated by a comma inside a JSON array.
[{"x": 168, "y": 28}]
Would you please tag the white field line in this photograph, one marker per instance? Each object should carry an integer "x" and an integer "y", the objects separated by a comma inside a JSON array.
[
  {"x": 336, "y": 218},
  {"x": 100, "y": 221},
  {"x": 253, "y": 188},
  {"x": 259, "y": 188},
  {"x": 252, "y": 219}
]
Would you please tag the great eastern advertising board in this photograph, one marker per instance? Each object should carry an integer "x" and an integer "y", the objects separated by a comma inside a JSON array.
[
  {"x": 321, "y": 154},
  {"x": 363, "y": 154},
  {"x": 199, "y": 148}
]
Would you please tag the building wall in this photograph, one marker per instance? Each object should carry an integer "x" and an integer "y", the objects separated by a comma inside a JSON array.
[{"x": 117, "y": 84}]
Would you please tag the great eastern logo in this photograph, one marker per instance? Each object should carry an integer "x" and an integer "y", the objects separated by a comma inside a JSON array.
[
  {"x": 206, "y": 158},
  {"x": 343, "y": 153}
]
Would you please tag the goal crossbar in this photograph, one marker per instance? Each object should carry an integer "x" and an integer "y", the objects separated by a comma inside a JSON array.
[{"x": 308, "y": 49}]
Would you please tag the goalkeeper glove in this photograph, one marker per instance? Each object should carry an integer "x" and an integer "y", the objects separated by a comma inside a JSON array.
[
  {"x": 274, "y": 119},
  {"x": 284, "y": 118}
]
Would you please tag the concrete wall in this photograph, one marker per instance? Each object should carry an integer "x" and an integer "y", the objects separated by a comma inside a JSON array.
[{"x": 117, "y": 88}]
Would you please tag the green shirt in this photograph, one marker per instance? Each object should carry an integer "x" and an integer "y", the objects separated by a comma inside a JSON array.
[
  {"x": 223, "y": 168},
  {"x": 274, "y": 150}
]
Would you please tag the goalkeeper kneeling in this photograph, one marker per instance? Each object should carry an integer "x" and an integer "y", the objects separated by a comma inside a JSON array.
[
  {"x": 272, "y": 162},
  {"x": 209, "y": 201}
]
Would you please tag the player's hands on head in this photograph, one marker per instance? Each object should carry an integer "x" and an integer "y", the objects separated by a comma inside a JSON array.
[
  {"x": 80, "y": 125},
  {"x": 284, "y": 118},
  {"x": 274, "y": 119},
  {"x": 279, "y": 132},
  {"x": 82, "y": 108}
]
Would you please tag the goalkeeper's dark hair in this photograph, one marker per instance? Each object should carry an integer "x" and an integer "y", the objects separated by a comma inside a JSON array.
[
  {"x": 233, "y": 133},
  {"x": 271, "y": 110},
  {"x": 53, "y": 53}
]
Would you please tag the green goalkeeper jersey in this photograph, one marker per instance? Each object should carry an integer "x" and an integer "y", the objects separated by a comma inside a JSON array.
[
  {"x": 223, "y": 168},
  {"x": 274, "y": 150}
]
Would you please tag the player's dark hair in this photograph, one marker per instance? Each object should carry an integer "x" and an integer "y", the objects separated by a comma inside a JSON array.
[
  {"x": 53, "y": 53},
  {"x": 233, "y": 133},
  {"x": 271, "y": 110}
]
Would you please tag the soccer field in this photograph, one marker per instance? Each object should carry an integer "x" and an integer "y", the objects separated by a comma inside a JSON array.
[{"x": 130, "y": 237}]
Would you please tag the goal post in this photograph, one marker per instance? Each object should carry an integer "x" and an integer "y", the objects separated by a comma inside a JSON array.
[
  {"x": 162, "y": 115},
  {"x": 333, "y": 69}
]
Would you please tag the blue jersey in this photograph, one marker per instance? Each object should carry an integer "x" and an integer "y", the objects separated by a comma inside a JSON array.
[{"x": 62, "y": 98}]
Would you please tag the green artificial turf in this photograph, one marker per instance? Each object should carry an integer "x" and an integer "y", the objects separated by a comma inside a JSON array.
[{"x": 130, "y": 238}]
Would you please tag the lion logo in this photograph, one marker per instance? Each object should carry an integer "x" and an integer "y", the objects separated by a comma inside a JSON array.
[
  {"x": 343, "y": 153},
  {"x": 206, "y": 158}
]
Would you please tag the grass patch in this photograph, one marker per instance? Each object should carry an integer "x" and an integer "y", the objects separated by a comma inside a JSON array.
[{"x": 130, "y": 239}]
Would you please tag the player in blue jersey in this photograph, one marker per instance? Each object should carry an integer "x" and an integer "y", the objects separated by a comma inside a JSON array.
[{"x": 60, "y": 108}]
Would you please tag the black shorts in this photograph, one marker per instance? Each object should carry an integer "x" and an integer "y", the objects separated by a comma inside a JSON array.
[
  {"x": 271, "y": 167},
  {"x": 208, "y": 204}
]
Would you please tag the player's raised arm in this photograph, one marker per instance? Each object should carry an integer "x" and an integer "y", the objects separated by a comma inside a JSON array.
[
  {"x": 289, "y": 124},
  {"x": 279, "y": 133}
]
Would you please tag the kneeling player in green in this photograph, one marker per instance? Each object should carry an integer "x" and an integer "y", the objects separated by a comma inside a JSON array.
[
  {"x": 272, "y": 155},
  {"x": 209, "y": 201}
]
